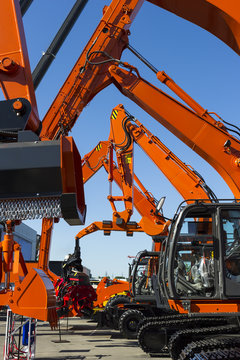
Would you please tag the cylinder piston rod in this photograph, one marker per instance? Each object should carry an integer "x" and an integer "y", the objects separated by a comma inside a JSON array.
[
  {"x": 57, "y": 42},
  {"x": 142, "y": 58}
]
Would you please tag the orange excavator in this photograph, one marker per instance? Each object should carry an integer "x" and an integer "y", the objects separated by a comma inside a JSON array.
[
  {"x": 220, "y": 218},
  {"x": 216, "y": 222},
  {"x": 123, "y": 175},
  {"x": 99, "y": 66},
  {"x": 125, "y": 130},
  {"x": 189, "y": 284},
  {"x": 39, "y": 179},
  {"x": 94, "y": 72}
]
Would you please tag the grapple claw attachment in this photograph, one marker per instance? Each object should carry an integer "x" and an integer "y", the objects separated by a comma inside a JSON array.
[{"x": 35, "y": 297}]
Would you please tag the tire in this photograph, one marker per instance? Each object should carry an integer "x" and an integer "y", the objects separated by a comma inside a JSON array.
[
  {"x": 128, "y": 323},
  {"x": 117, "y": 300},
  {"x": 112, "y": 304}
]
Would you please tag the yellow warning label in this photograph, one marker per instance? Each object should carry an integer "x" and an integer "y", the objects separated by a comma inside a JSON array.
[
  {"x": 114, "y": 114},
  {"x": 98, "y": 148},
  {"x": 128, "y": 158}
]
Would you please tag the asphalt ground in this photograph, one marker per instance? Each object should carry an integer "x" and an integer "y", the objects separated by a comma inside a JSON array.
[{"x": 80, "y": 339}]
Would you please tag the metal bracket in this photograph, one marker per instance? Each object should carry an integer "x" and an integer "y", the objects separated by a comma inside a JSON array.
[
  {"x": 14, "y": 114},
  {"x": 186, "y": 304}
]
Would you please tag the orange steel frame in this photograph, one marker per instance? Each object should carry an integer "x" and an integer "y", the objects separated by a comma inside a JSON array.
[
  {"x": 193, "y": 129},
  {"x": 221, "y": 18},
  {"x": 188, "y": 184},
  {"x": 86, "y": 79},
  {"x": 125, "y": 167},
  {"x": 151, "y": 223},
  {"x": 102, "y": 155},
  {"x": 109, "y": 226},
  {"x": 195, "y": 124},
  {"x": 185, "y": 181},
  {"x": 15, "y": 72}
]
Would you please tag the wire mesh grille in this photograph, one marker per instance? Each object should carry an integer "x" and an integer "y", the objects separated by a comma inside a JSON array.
[{"x": 29, "y": 209}]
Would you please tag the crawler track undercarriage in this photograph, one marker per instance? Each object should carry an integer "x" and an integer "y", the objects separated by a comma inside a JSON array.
[{"x": 191, "y": 338}]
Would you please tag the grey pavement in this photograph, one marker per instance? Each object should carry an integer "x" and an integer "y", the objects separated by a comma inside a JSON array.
[{"x": 80, "y": 339}]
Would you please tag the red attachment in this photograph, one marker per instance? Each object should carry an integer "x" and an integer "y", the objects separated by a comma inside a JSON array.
[{"x": 74, "y": 297}]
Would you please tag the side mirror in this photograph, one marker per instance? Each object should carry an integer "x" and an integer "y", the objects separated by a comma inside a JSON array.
[{"x": 160, "y": 205}]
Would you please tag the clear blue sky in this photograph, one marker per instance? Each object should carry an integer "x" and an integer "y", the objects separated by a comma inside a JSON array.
[{"x": 200, "y": 63}]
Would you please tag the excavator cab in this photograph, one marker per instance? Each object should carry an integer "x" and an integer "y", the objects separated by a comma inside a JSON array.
[
  {"x": 144, "y": 273},
  {"x": 200, "y": 259}
]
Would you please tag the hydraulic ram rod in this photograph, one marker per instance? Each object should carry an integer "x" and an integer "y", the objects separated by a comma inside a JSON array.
[
  {"x": 24, "y": 5},
  {"x": 50, "y": 54}
]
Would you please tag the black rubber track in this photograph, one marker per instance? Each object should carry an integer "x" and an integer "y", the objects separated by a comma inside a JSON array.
[
  {"x": 154, "y": 335},
  {"x": 163, "y": 318},
  {"x": 227, "y": 354},
  {"x": 213, "y": 346},
  {"x": 182, "y": 338}
]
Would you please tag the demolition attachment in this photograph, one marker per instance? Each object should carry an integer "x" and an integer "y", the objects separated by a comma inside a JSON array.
[{"x": 41, "y": 179}]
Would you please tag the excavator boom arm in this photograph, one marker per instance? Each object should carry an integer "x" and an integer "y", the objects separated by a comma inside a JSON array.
[
  {"x": 94, "y": 160},
  {"x": 221, "y": 18},
  {"x": 15, "y": 73},
  {"x": 90, "y": 75},
  {"x": 184, "y": 179},
  {"x": 222, "y": 152},
  {"x": 143, "y": 202}
]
